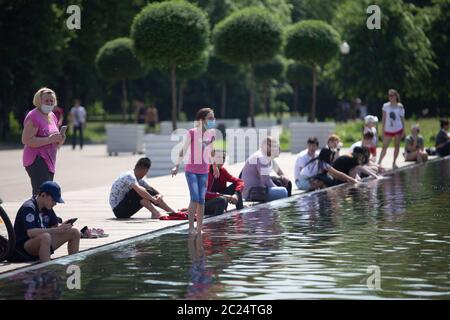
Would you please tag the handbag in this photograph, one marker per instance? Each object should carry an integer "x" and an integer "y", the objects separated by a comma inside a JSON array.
[{"x": 258, "y": 194}]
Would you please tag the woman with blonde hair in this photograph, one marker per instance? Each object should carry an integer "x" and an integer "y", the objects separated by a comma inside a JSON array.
[
  {"x": 393, "y": 124},
  {"x": 41, "y": 138}
]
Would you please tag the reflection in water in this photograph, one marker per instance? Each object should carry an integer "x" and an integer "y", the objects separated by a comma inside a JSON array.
[
  {"x": 200, "y": 277},
  {"x": 39, "y": 285},
  {"x": 313, "y": 246}
]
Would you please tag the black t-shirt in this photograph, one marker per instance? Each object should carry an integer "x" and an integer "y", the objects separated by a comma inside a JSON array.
[
  {"x": 441, "y": 137},
  {"x": 28, "y": 218},
  {"x": 345, "y": 164}
]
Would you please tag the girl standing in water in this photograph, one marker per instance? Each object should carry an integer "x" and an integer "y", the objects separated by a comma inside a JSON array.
[{"x": 200, "y": 140}]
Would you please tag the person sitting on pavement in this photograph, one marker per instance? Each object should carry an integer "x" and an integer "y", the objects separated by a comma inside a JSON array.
[
  {"x": 304, "y": 157},
  {"x": 414, "y": 146},
  {"x": 320, "y": 165},
  {"x": 335, "y": 145},
  {"x": 129, "y": 193},
  {"x": 259, "y": 186},
  {"x": 218, "y": 195},
  {"x": 38, "y": 233},
  {"x": 443, "y": 140},
  {"x": 354, "y": 165}
]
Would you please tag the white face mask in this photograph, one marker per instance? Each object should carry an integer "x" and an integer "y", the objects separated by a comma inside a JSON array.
[{"x": 47, "y": 108}]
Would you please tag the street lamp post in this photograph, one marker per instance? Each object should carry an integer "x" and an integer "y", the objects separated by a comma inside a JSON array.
[{"x": 345, "y": 50}]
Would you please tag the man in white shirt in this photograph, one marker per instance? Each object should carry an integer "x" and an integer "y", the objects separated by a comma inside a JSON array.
[
  {"x": 78, "y": 119},
  {"x": 306, "y": 156},
  {"x": 129, "y": 193}
]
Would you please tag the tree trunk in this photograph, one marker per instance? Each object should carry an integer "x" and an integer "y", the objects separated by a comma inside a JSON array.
[
  {"x": 266, "y": 98},
  {"x": 3, "y": 122},
  {"x": 296, "y": 108},
  {"x": 312, "y": 114},
  {"x": 124, "y": 101},
  {"x": 174, "y": 98},
  {"x": 180, "y": 96},
  {"x": 223, "y": 105},
  {"x": 252, "y": 97}
]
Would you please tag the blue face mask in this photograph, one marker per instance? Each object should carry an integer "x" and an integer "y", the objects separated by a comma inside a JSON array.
[{"x": 210, "y": 124}]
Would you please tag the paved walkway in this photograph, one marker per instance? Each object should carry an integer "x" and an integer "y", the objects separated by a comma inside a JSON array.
[{"x": 85, "y": 178}]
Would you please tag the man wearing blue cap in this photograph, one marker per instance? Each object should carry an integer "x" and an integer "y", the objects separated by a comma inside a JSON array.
[{"x": 37, "y": 230}]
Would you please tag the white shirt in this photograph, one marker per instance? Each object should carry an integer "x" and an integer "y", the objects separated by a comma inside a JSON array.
[
  {"x": 78, "y": 115},
  {"x": 356, "y": 144},
  {"x": 313, "y": 168},
  {"x": 374, "y": 131},
  {"x": 123, "y": 184},
  {"x": 393, "y": 121},
  {"x": 302, "y": 159}
]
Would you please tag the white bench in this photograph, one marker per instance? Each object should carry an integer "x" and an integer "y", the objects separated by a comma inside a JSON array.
[
  {"x": 262, "y": 122},
  {"x": 286, "y": 122},
  {"x": 160, "y": 148},
  {"x": 300, "y": 132},
  {"x": 124, "y": 138}
]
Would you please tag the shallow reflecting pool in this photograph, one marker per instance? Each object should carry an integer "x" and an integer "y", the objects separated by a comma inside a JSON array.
[{"x": 382, "y": 239}]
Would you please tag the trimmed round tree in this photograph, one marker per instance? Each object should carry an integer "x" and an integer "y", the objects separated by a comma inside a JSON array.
[
  {"x": 168, "y": 35},
  {"x": 192, "y": 71},
  {"x": 223, "y": 73},
  {"x": 116, "y": 61},
  {"x": 248, "y": 36},
  {"x": 265, "y": 73},
  {"x": 298, "y": 74},
  {"x": 315, "y": 43}
]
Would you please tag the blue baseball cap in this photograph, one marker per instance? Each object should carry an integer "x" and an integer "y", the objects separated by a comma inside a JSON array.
[{"x": 53, "y": 189}]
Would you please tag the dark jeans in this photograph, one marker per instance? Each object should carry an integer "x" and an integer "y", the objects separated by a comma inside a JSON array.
[
  {"x": 279, "y": 182},
  {"x": 130, "y": 204},
  {"x": 445, "y": 150},
  {"x": 218, "y": 205},
  {"x": 38, "y": 173},
  {"x": 74, "y": 136}
]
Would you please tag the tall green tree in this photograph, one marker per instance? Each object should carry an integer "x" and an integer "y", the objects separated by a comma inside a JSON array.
[
  {"x": 298, "y": 74},
  {"x": 265, "y": 73},
  {"x": 191, "y": 72},
  {"x": 249, "y": 36},
  {"x": 170, "y": 34},
  {"x": 399, "y": 55},
  {"x": 315, "y": 43},
  {"x": 116, "y": 61},
  {"x": 223, "y": 73}
]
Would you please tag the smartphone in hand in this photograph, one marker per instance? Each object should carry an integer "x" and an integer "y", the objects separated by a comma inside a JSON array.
[
  {"x": 71, "y": 221},
  {"x": 63, "y": 130}
]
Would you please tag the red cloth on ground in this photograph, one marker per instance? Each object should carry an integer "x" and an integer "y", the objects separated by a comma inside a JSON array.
[{"x": 221, "y": 183}]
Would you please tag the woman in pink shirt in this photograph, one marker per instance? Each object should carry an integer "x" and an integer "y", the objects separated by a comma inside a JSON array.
[
  {"x": 41, "y": 138},
  {"x": 199, "y": 140}
]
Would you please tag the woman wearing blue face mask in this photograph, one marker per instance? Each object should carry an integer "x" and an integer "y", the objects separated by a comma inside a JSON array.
[
  {"x": 41, "y": 138},
  {"x": 199, "y": 141}
]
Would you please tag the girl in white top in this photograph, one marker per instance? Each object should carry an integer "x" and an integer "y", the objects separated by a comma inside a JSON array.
[
  {"x": 370, "y": 126},
  {"x": 393, "y": 124}
]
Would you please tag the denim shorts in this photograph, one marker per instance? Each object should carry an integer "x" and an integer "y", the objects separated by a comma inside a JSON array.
[{"x": 197, "y": 184}]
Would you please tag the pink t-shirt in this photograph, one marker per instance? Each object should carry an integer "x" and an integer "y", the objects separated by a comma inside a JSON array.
[
  {"x": 200, "y": 150},
  {"x": 45, "y": 129}
]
